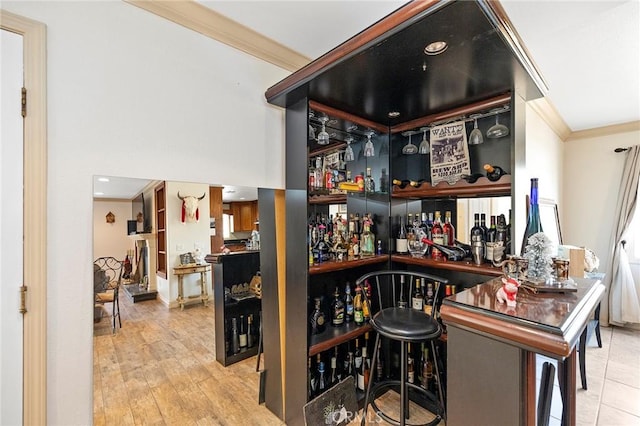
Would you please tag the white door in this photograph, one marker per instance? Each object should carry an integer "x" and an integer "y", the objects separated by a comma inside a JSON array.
[{"x": 11, "y": 228}]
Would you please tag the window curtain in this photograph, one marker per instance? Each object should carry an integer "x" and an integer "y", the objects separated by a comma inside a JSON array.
[{"x": 624, "y": 294}]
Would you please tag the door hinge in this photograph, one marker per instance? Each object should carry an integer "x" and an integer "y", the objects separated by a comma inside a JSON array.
[
  {"x": 23, "y": 299},
  {"x": 23, "y": 102}
]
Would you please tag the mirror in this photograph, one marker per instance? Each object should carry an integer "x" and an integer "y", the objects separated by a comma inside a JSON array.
[{"x": 550, "y": 221}]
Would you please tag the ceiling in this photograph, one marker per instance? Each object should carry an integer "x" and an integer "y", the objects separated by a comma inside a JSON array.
[{"x": 587, "y": 51}]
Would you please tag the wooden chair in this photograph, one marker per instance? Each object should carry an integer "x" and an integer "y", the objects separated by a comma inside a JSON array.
[{"x": 107, "y": 279}]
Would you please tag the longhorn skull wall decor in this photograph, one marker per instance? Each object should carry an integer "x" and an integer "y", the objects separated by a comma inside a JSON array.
[{"x": 190, "y": 211}]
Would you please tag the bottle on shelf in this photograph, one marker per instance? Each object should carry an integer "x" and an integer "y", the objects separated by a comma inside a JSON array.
[
  {"x": 333, "y": 377},
  {"x": 483, "y": 225},
  {"x": 235, "y": 339},
  {"x": 402, "y": 303},
  {"x": 472, "y": 178},
  {"x": 366, "y": 301},
  {"x": 494, "y": 173},
  {"x": 249, "y": 331},
  {"x": 358, "y": 314},
  {"x": 384, "y": 181},
  {"x": 379, "y": 366},
  {"x": 401, "y": 183},
  {"x": 448, "y": 230},
  {"x": 379, "y": 248},
  {"x": 437, "y": 237},
  {"x": 357, "y": 361},
  {"x": 477, "y": 240},
  {"x": 348, "y": 304},
  {"x": 428, "y": 300},
  {"x": 491, "y": 233},
  {"x": 427, "y": 370},
  {"x": 453, "y": 253},
  {"x": 533, "y": 220},
  {"x": 242, "y": 336},
  {"x": 417, "y": 298},
  {"x": 417, "y": 183},
  {"x": 367, "y": 244},
  {"x": 369, "y": 183},
  {"x": 411, "y": 371},
  {"x": 401, "y": 240},
  {"x": 322, "y": 380},
  {"x": 317, "y": 319},
  {"x": 337, "y": 309}
]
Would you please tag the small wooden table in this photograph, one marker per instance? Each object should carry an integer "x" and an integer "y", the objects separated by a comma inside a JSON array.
[{"x": 183, "y": 270}]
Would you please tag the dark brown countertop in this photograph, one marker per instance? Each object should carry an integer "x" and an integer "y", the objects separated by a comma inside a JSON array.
[{"x": 548, "y": 323}]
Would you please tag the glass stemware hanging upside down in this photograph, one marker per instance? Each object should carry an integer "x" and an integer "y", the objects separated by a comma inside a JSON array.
[
  {"x": 348, "y": 152},
  {"x": 410, "y": 148},
  {"x": 369, "y": 150},
  {"x": 424, "y": 147}
]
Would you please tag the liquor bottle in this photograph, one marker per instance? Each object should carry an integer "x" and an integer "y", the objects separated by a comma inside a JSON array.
[
  {"x": 379, "y": 248},
  {"x": 355, "y": 246},
  {"x": 319, "y": 175},
  {"x": 317, "y": 319},
  {"x": 448, "y": 230},
  {"x": 235, "y": 340},
  {"x": 428, "y": 300},
  {"x": 348, "y": 304},
  {"x": 379, "y": 367},
  {"x": 502, "y": 233},
  {"x": 427, "y": 370},
  {"x": 401, "y": 240},
  {"x": 477, "y": 240},
  {"x": 242, "y": 337},
  {"x": 366, "y": 301},
  {"x": 401, "y": 183},
  {"x": 366, "y": 368},
  {"x": 491, "y": 234},
  {"x": 417, "y": 183},
  {"x": 494, "y": 173},
  {"x": 362, "y": 371},
  {"x": 483, "y": 225},
  {"x": 358, "y": 315},
  {"x": 453, "y": 253},
  {"x": 384, "y": 181},
  {"x": 417, "y": 299},
  {"x": 322, "y": 381},
  {"x": 337, "y": 310},
  {"x": 402, "y": 303},
  {"x": 333, "y": 377},
  {"x": 358, "y": 224},
  {"x": 249, "y": 331},
  {"x": 409, "y": 227},
  {"x": 411, "y": 372},
  {"x": 369, "y": 183},
  {"x": 367, "y": 243},
  {"x": 339, "y": 370},
  {"x": 437, "y": 236},
  {"x": 533, "y": 220}
]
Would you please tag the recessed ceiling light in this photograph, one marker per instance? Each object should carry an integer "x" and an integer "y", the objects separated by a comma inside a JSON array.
[
  {"x": 98, "y": 193},
  {"x": 103, "y": 179},
  {"x": 394, "y": 114},
  {"x": 242, "y": 198},
  {"x": 230, "y": 191},
  {"x": 436, "y": 48}
]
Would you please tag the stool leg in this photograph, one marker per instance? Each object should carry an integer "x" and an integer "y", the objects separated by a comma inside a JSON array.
[
  {"x": 376, "y": 348},
  {"x": 439, "y": 378},
  {"x": 259, "y": 344},
  {"x": 596, "y": 317},
  {"x": 403, "y": 383}
]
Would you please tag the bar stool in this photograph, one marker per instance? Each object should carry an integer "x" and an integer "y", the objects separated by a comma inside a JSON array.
[{"x": 405, "y": 325}]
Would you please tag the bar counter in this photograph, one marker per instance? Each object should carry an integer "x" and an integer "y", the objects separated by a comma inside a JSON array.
[{"x": 491, "y": 364}]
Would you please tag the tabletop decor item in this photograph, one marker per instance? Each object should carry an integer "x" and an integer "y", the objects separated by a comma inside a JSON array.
[
  {"x": 538, "y": 253},
  {"x": 508, "y": 292}
]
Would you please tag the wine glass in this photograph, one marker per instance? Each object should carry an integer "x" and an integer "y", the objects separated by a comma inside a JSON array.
[
  {"x": 369, "y": 150},
  {"x": 323, "y": 136},
  {"x": 312, "y": 131},
  {"x": 424, "y": 147},
  {"x": 410, "y": 148},
  {"x": 497, "y": 130},
  {"x": 348, "y": 152},
  {"x": 475, "y": 137}
]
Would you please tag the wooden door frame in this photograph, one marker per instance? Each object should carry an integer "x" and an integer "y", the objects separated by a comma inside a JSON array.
[{"x": 34, "y": 405}]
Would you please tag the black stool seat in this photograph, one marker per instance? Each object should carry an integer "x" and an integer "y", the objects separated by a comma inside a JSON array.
[{"x": 405, "y": 324}]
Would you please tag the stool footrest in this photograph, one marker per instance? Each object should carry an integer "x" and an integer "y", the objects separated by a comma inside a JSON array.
[{"x": 377, "y": 387}]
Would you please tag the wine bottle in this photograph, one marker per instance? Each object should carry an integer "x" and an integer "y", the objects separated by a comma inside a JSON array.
[
  {"x": 452, "y": 252},
  {"x": 483, "y": 225},
  {"x": 348, "y": 304},
  {"x": 401, "y": 183},
  {"x": 317, "y": 319},
  {"x": 472, "y": 178},
  {"x": 333, "y": 378},
  {"x": 366, "y": 301},
  {"x": 249, "y": 331},
  {"x": 357, "y": 361},
  {"x": 448, "y": 230},
  {"x": 322, "y": 381},
  {"x": 235, "y": 341},
  {"x": 242, "y": 338},
  {"x": 337, "y": 310},
  {"x": 411, "y": 372},
  {"x": 417, "y": 299},
  {"x": 366, "y": 368},
  {"x": 533, "y": 220},
  {"x": 402, "y": 303},
  {"x": 437, "y": 235},
  {"x": 494, "y": 173},
  {"x": 362, "y": 370},
  {"x": 491, "y": 234},
  {"x": 401, "y": 241},
  {"x": 477, "y": 240},
  {"x": 417, "y": 183},
  {"x": 427, "y": 370},
  {"x": 384, "y": 181}
]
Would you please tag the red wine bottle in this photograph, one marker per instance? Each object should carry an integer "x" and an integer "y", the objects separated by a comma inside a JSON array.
[
  {"x": 401, "y": 183},
  {"x": 494, "y": 173}
]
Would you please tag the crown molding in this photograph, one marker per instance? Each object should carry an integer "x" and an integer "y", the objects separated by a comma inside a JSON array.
[
  {"x": 550, "y": 115},
  {"x": 210, "y": 23},
  {"x": 632, "y": 126}
]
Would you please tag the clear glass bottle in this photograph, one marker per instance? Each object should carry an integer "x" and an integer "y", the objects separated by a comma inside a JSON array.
[
  {"x": 401, "y": 239},
  {"x": 369, "y": 183}
]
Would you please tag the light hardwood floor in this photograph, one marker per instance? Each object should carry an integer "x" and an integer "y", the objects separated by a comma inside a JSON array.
[{"x": 160, "y": 369}]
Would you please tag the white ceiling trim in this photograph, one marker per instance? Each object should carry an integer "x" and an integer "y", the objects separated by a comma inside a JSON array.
[
  {"x": 633, "y": 126},
  {"x": 210, "y": 23}
]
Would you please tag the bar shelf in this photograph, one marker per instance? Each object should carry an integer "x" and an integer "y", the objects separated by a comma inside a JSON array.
[
  {"x": 332, "y": 265},
  {"x": 483, "y": 187},
  {"x": 460, "y": 266}
]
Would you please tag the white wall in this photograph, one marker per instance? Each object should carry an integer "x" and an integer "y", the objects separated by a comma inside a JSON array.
[
  {"x": 111, "y": 239},
  {"x": 131, "y": 94},
  {"x": 592, "y": 180}
]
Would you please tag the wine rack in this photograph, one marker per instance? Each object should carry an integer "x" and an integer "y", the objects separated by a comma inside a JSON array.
[
  {"x": 462, "y": 266},
  {"x": 483, "y": 187}
]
